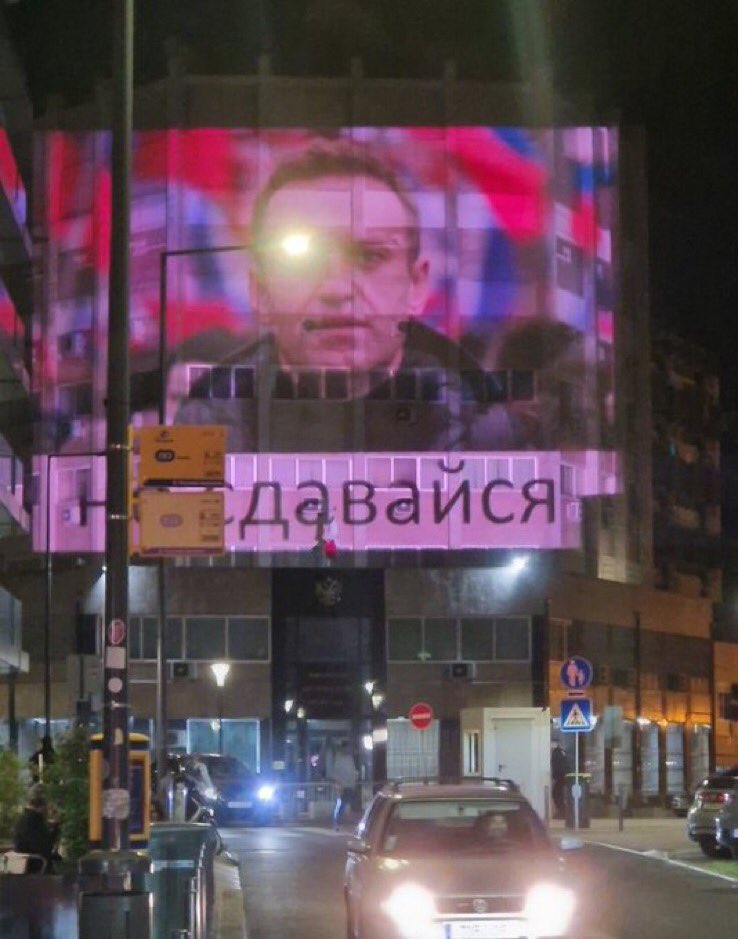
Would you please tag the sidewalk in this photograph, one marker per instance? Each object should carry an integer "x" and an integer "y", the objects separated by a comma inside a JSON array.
[
  {"x": 229, "y": 914},
  {"x": 663, "y": 839},
  {"x": 638, "y": 834}
]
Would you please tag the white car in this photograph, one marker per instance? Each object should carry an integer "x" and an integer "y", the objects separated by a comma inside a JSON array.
[{"x": 464, "y": 861}]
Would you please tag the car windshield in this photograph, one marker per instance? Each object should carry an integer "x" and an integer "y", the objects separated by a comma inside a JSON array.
[
  {"x": 222, "y": 767},
  {"x": 461, "y": 826}
]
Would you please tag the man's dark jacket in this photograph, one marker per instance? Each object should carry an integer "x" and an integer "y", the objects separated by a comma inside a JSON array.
[
  {"x": 34, "y": 835},
  {"x": 458, "y": 413}
]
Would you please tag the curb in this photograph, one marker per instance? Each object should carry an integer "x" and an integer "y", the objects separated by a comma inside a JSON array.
[
  {"x": 655, "y": 855},
  {"x": 230, "y": 915}
]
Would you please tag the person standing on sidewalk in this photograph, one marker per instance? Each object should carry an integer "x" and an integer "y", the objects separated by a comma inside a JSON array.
[
  {"x": 345, "y": 776},
  {"x": 559, "y": 767}
]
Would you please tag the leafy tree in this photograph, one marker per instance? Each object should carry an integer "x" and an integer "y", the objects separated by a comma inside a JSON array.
[
  {"x": 12, "y": 791},
  {"x": 66, "y": 782}
]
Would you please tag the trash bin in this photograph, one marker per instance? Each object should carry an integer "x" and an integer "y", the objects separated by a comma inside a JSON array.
[
  {"x": 570, "y": 792},
  {"x": 182, "y": 878},
  {"x": 113, "y": 894}
]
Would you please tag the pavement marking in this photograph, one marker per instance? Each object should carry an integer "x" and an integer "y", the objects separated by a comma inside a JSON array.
[
  {"x": 328, "y": 832},
  {"x": 661, "y": 856}
]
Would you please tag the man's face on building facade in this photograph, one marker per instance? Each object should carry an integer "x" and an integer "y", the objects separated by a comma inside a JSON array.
[{"x": 336, "y": 281}]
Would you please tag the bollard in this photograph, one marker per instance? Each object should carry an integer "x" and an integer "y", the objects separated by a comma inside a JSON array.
[
  {"x": 179, "y": 811},
  {"x": 621, "y": 807},
  {"x": 113, "y": 899},
  {"x": 169, "y": 792}
]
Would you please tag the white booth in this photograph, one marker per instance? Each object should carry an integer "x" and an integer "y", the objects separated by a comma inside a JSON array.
[{"x": 510, "y": 743}]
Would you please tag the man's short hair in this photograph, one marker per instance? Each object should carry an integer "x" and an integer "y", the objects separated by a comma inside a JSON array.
[{"x": 344, "y": 159}]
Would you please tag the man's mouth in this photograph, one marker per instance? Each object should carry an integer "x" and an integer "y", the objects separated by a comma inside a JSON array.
[{"x": 334, "y": 323}]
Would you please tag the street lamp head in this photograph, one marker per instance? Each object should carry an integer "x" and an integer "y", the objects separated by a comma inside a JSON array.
[
  {"x": 220, "y": 671},
  {"x": 377, "y": 700},
  {"x": 518, "y": 564}
]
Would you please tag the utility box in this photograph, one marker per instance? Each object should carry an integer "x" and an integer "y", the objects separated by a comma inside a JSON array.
[
  {"x": 139, "y": 774},
  {"x": 510, "y": 743}
]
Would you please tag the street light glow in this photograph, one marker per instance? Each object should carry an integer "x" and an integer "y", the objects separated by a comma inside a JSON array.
[
  {"x": 296, "y": 244},
  {"x": 518, "y": 564},
  {"x": 220, "y": 670},
  {"x": 377, "y": 700}
]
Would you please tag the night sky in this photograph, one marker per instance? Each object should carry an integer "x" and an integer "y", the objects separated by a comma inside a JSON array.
[{"x": 671, "y": 65}]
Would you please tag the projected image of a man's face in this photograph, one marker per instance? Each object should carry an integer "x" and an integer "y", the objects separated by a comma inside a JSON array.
[{"x": 337, "y": 275}]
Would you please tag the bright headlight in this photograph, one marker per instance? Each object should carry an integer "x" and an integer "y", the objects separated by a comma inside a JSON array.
[
  {"x": 548, "y": 909},
  {"x": 265, "y": 793},
  {"x": 210, "y": 793},
  {"x": 412, "y": 908}
]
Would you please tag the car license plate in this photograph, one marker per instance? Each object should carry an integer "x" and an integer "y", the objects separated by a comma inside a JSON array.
[
  {"x": 239, "y": 805},
  {"x": 486, "y": 929}
]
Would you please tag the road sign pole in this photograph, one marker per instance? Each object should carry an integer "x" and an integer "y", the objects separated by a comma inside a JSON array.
[
  {"x": 115, "y": 801},
  {"x": 576, "y": 782}
]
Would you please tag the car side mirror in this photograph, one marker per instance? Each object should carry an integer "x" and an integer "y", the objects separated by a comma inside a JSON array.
[
  {"x": 357, "y": 846},
  {"x": 571, "y": 844}
]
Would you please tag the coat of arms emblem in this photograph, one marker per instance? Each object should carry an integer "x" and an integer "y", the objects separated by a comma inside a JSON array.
[{"x": 328, "y": 591}]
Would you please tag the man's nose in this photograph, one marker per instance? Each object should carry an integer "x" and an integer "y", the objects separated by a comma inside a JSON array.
[{"x": 337, "y": 285}]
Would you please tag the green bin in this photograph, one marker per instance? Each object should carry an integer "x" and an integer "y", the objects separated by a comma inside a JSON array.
[{"x": 182, "y": 880}]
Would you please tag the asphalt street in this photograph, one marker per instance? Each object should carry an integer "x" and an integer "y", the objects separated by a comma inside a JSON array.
[{"x": 292, "y": 881}]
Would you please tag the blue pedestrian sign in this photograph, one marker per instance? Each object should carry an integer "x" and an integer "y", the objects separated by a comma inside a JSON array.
[
  {"x": 576, "y": 673},
  {"x": 576, "y": 716}
]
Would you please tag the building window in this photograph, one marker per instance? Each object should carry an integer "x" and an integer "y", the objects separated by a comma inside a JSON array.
[
  {"x": 447, "y": 639},
  {"x": 173, "y": 640},
  {"x": 149, "y": 627},
  {"x": 439, "y": 640},
  {"x": 248, "y": 638},
  {"x": 205, "y": 637},
  {"x": 477, "y": 640},
  {"x": 512, "y": 639},
  {"x": 405, "y": 639},
  {"x": 471, "y": 753}
]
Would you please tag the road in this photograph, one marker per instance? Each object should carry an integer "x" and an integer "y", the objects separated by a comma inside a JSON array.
[{"x": 292, "y": 890}]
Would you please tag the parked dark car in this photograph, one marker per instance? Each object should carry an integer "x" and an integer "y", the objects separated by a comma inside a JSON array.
[
  {"x": 715, "y": 795},
  {"x": 235, "y": 792}
]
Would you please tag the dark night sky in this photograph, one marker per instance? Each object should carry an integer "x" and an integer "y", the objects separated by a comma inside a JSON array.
[{"x": 669, "y": 64}]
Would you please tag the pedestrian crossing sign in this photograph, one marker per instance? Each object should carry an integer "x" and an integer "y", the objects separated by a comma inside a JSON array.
[{"x": 576, "y": 716}]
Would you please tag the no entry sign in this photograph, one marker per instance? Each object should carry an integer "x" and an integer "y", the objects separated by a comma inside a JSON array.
[{"x": 421, "y": 715}]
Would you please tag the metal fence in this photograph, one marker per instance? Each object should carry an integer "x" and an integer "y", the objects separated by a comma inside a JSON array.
[{"x": 307, "y": 801}]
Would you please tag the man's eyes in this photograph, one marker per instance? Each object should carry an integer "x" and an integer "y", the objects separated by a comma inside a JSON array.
[
  {"x": 369, "y": 255},
  {"x": 315, "y": 252}
]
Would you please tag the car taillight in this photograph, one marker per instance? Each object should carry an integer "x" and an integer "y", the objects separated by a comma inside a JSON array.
[{"x": 710, "y": 798}]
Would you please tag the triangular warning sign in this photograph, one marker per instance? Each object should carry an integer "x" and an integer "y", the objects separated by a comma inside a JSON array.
[{"x": 575, "y": 719}]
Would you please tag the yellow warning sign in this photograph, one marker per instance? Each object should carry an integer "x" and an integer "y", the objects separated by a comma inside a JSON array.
[
  {"x": 184, "y": 455},
  {"x": 180, "y": 523}
]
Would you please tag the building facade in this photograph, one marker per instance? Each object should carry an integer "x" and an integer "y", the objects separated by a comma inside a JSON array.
[
  {"x": 15, "y": 324},
  {"x": 542, "y": 543}
]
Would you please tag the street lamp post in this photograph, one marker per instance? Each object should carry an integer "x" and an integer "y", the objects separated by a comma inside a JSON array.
[
  {"x": 220, "y": 671},
  {"x": 161, "y": 655}
]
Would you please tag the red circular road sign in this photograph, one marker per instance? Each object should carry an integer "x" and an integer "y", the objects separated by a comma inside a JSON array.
[{"x": 421, "y": 715}]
